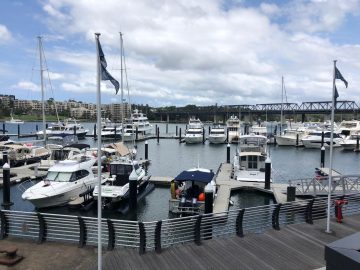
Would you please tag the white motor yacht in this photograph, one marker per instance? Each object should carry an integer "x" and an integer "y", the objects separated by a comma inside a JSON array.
[
  {"x": 69, "y": 127},
  {"x": 137, "y": 122},
  {"x": 233, "y": 128},
  {"x": 217, "y": 134},
  {"x": 63, "y": 182},
  {"x": 194, "y": 132},
  {"x": 115, "y": 189},
  {"x": 249, "y": 160},
  {"x": 349, "y": 127},
  {"x": 350, "y": 142},
  {"x": 314, "y": 139},
  {"x": 291, "y": 137}
]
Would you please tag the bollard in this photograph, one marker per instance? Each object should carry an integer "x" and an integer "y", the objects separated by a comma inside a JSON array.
[
  {"x": 136, "y": 134},
  {"x": 132, "y": 193},
  {"x": 267, "y": 173},
  {"x": 322, "y": 139},
  {"x": 6, "y": 186},
  {"x": 297, "y": 139},
  {"x": 290, "y": 194},
  {"x": 18, "y": 130},
  {"x": 158, "y": 135},
  {"x": 95, "y": 137},
  {"x": 180, "y": 136},
  {"x": 146, "y": 150},
  {"x": 203, "y": 136},
  {"x": 322, "y": 157},
  {"x": 176, "y": 132},
  {"x": 228, "y": 153}
]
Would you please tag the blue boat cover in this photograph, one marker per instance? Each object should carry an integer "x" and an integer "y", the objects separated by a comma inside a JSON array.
[{"x": 198, "y": 176}]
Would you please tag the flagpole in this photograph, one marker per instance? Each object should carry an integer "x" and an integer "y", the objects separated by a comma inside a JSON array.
[
  {"x": 98, "y": 116},
  {"x": 331, "y": 154}
]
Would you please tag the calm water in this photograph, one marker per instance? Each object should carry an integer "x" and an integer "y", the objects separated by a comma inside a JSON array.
[{"x": 169, "y": 157}]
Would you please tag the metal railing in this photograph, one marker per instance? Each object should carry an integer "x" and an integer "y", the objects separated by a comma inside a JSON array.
[
  {"x": 156, "y": 235},
  {"x": 344, "y": 184}
]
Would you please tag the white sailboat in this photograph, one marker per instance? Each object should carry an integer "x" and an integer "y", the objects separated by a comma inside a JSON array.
[{"x": 13, "y": 120}]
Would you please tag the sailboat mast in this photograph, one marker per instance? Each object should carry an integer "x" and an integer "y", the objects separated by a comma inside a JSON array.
[
  {"x": 282, "y": 103},
  {"x": 121, "y": 83},
  {"x": 42, "y": 88}
]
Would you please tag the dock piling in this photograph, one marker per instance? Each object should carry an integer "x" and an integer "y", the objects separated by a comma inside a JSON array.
[
  {"x": 209, "y": 199},
  {"x": 146, "y": 150},
  {"x": 322, "y": 157},
  {"x": 228, "y": 153},
  {"x": 357, "y": 148},
  {"x": 158, "y": 135},
  {"x": 203, "y": 136},
  {"x": 136, "y": 134},
  {"x": 180, "y": 135},
  {"x": 297, "y": 139},
  {"x": 267, "y": 173},
  {"x": 322, "y": 139},
  {"x": 3, "y": 127},
  {"x": 176, "y": 131},
  {"x": 6, "y": 186},
  {"x": 132, "y": 194},
  {"x": 18, "y": 130},
  {"x": 167, "y": 128},
  {"x": 94, "y": 132},
  {"x": 227, "y": 135}
]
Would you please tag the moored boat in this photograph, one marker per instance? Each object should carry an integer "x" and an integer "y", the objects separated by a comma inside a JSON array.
[{"x": 217, "y": 134}]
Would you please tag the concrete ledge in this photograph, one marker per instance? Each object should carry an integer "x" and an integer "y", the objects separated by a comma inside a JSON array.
[{"x": 343, "y": 253}]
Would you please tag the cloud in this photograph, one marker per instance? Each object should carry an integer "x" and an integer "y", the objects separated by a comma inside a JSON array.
[
  {"x": 319, "y": 15},
  {"x": 26, "y": 85},
  {"x": 180, "y": 52},
  {"x": 5, "y": 35}
]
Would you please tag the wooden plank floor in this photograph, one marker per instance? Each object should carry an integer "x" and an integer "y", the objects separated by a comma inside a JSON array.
[{"x": 299, "y": 246}]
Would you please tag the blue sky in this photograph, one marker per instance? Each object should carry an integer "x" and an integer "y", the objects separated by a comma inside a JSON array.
[{"x": 183, "y": 52}]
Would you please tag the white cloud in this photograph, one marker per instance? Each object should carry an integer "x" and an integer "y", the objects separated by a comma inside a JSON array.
[
  {"x": 26, "y": 85},
  {"x": 184, "y": 52},
  {"x": 5, "y": 35}
]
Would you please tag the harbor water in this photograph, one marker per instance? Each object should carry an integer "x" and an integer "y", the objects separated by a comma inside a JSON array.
[{"x": 169, "y": 157}]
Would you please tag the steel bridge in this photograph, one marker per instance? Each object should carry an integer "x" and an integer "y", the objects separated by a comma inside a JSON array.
[{"x": 305, "y": 108}]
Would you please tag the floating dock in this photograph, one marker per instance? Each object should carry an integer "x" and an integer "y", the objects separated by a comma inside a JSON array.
[{"x": 22, "y": 173}]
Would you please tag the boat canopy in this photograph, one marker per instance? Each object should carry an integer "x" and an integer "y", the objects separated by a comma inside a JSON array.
[{"x": 198, "y": 176}]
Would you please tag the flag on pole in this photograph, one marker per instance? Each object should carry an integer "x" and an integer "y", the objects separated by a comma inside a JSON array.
[
  {"x": 105, "y": 75},
  {"x": 336, "y": 95},
  {"x": 340, "y": 77}
]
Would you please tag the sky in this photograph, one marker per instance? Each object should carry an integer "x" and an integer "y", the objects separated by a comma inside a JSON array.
[{"x": 201, "y": 52}]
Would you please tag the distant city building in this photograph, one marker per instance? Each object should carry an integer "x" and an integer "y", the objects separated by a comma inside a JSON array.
[{"x": 118, "y": 111}]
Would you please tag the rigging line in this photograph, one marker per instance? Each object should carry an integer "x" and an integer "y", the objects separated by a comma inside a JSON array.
[
  {"x": 51, "y": 88},
  {"x": 33, "y": 64},
  {"x": 126, "y": 76}
]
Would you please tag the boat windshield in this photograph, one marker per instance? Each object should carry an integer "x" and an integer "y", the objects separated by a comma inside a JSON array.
[{"x": 59, "y": 176}]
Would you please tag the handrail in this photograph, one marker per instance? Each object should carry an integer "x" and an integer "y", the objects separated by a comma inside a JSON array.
[{"x": 156, "y": 235}]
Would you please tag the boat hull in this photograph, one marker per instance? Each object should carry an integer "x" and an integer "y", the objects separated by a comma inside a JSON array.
[
  {"x": 193, "y": 139},
  {"x": 217, "y": 139},
  {"x": 287, "y": 141}
]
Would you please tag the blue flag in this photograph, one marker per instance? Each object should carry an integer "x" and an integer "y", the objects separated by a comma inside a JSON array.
[
  {"x": 340, "y": 77},
  {"x": 336, "y": 95},
  {"x": 105, "y": 75}
]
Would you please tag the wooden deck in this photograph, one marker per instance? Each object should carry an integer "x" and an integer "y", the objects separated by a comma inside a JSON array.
[{"x": 295, "y": 247}]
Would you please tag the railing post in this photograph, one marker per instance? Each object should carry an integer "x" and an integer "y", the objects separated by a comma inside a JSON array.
[
  {"x": 197, "y": 230},
  {"x": 308, "y": 212},
  {"x": 111, "y": 239},
  {"x": 42, "y": 228},
  {"x": 239, "y": 223},
  {"x": 275, "y": 217},
  {"x": 158, "y": 236},
  {"x": 142, "y": 233},
  {"x": 82, "y": 227},
  {"x": 4, "y": 225}
]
